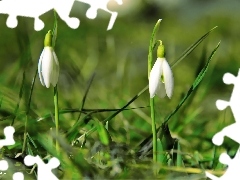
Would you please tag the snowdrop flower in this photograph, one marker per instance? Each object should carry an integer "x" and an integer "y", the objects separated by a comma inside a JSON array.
[
  {"x": 161, "y": 80},
  {"x": 48, "y": 66}
]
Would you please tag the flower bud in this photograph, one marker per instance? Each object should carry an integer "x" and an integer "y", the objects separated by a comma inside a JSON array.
[{"x": 48, "y": 66}]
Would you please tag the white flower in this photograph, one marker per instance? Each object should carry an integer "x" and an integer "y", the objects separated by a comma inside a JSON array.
[
  {"x": 48, "y": 67},
  {"x": 160, "y": 75}
]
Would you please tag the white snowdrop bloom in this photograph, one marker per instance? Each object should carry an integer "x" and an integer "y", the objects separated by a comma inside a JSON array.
[
  {"x": 48, "y": 67},
  {"x": 161, "y": 80}
]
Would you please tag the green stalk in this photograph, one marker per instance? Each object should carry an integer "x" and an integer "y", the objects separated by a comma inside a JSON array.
[
  {"x": 153, "y": 130},
  {"x": 150, "y": 59},
  {"x": 56, "y": 116},
  {"x": 55, "y": 28}
]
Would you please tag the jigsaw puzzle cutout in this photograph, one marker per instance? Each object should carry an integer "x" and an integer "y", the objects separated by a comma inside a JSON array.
[
  {"x": 231, "y": 131},
  {"x": 8, "y": 133},
  {"x": 101, "y": 4},
  {"x": 233, "y": 167},
  {"x": 3, "y": 165},
  {"x": 35, "y": 8},
  {"x": 44, "y": 170},
  {"x": 18, "y": 176}
]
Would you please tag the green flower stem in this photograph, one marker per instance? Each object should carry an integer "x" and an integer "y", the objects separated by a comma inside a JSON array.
[
  {"x": 54, "y": 38},
  {"x": 150, "y": 62},
  {"x": 153, "y": 130},
  {"x": 56, "y": 116}
]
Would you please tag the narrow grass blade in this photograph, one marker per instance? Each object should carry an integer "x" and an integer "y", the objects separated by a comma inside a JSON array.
[
  {"x": 20, "y": 97},
  {"x": 215, "y": 157},
  {"x": 179, "y": 155},
  {"x": 32, "y": 141},
  {"x": 194, "y": 98},
  {"x": 31, "y": 91},
  {"x": 27, "y": 112},
  {"x": 104, "y": 136},
  {"x": 71, "y": 134},
  {"x": 83, "y": 111},
  {"x": 55, "y": 27},
  {"x": 109, "y": 118},
  {"x": 29, "y": 149},
  {"x": 118, "y": 111},
  {"x": 194, "y": 85},
  {"x": 191, "y": 48},
  {"x": 152, "y": 45},
  {"x": 88, "y": 116},
  {"x": 161, "y": 155},
  {"x": 85, "y": 95}
]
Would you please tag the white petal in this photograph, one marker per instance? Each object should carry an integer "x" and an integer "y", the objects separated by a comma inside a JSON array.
[
  {"x": 161, "y": 92},
  {"x": 47, "y": 66},
  {"x": 154, "y": 77},
  {"x": 40, "y": 68},
  {"x": 168, "y": 78},
  {"x": 55, "y": 73}
]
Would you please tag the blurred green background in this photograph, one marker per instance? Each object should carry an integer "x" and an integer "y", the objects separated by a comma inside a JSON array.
[{"x": 119, "y": 60}]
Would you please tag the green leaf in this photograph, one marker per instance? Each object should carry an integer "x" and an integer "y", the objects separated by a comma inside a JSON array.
[
  {"x": 152, "y": 45},
  {"x": 194, "y": 85},
  {"x": 161, "y": 155},
  {"x": 179, "y": 155},
  {"x": 55, "y": 28},
  {"x": 103, "y": 133},
  {"x": 31, "y": 92},
  {"x": 191, "y": 48},
  {"x": 20, "y": 97},
  {"x": 73, "y": 131}
]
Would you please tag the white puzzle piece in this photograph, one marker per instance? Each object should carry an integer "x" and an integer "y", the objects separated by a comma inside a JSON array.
[
  {"x": 18, "y": 176},
  {"x": 3, "y": 165},
  {"x": 100, "y": 4},
  {"x": 8, "y": 133},
  {"x": 44, "y": 171},
  {"x": 232, "y": 131},
  {"x": 36, "y": 8}
]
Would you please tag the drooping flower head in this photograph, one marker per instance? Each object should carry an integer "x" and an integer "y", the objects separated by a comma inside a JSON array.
[
  {"x": 48, "y": 66},
  {"x": 161, "y": 80}
]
